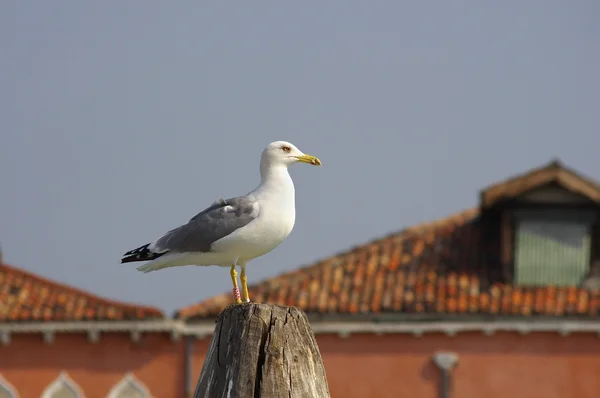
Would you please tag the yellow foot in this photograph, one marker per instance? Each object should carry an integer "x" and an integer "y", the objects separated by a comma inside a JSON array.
[
  {"x": 245, "y": 285},
  {"x": 236, "y": 290}
]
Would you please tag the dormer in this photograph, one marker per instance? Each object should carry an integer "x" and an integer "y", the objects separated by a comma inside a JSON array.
[{"x": 544, "y": 226}]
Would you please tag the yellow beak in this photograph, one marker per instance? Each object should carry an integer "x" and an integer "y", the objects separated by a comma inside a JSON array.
[{"x": 309, "y": 159}]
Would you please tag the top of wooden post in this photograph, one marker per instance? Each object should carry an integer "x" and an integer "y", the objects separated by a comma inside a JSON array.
[{"x": 262, "y": 350}]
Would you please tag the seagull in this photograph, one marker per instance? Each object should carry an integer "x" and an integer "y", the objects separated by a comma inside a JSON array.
[{"x": 231, "y": 232}]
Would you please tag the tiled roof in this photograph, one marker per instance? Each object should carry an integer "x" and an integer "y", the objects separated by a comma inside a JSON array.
[
  {"x": 26, "y": 297},
  {"x": 427, "y": 269}
]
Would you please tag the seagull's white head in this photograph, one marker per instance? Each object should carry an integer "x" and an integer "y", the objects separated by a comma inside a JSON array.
[{"x": 284, "y": 153}]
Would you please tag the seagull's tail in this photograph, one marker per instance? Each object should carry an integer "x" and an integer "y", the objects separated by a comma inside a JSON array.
[
  {"x": 169, "y": 260},
  {"x": 142, "y": 253},
  {"x": 160, "y": 260}
]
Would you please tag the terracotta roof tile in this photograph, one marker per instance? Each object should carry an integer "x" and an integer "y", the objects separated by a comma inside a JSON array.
[
  {"x": 26, "y": 297},
  {"x": 426, "y": 269}
]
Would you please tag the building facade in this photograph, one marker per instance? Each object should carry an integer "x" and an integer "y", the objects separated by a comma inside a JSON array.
[
  {"x": 499, "y": 300},
  {"x": 60, "y": 342}
]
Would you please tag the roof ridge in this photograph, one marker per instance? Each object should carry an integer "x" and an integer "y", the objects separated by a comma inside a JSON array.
[
  {"x": 553, "y": 172},
  {"x": 582, "y": 176},
  {"x": 413, "y": 230},
  {"x": 464, "y": 214},
  {"x": 74, "y": 290}
]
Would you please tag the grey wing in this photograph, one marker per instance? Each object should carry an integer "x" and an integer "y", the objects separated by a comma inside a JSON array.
[{"x": 213, "y": 223}]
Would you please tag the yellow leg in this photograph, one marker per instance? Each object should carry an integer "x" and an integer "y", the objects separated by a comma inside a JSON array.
[
  {"x": 245, "y": 284},
  {"x": 236, "y": 290}
]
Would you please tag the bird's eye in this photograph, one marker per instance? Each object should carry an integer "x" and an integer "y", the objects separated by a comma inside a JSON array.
[{"x": 286, "y": 148}]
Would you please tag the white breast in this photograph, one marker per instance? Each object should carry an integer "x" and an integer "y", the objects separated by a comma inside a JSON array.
[
  {"x": 260, "y": 236},
  {"x": 275, "y": 221}
]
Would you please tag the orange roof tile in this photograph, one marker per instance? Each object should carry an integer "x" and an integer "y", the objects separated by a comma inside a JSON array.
[
  {"x": 426, "y": 269},
  {"x": 28, "y": 297}
]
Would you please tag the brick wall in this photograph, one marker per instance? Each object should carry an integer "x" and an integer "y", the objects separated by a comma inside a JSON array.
[{"x": 30, "y": 365}]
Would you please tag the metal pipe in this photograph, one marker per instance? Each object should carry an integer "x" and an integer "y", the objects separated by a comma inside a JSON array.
[
  {"x": 445, "y": 361},
  {"x": 445, "y": 384}
]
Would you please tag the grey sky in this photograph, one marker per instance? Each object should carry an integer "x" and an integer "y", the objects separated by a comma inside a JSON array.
[{"x": 120, "y": 120}]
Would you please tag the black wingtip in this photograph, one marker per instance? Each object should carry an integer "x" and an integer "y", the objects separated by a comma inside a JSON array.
[{"x": 141, "y": 253}]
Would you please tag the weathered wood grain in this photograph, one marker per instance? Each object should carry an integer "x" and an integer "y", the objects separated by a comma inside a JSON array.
[{"x": 262, "y": 350}]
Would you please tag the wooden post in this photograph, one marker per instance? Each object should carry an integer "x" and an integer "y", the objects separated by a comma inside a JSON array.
[{"x": 262, "y": 350}]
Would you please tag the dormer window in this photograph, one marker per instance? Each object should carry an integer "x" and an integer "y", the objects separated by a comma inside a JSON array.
[
  {"x": 545, "y": 225},
  {"x": 552, "y": 246}
]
